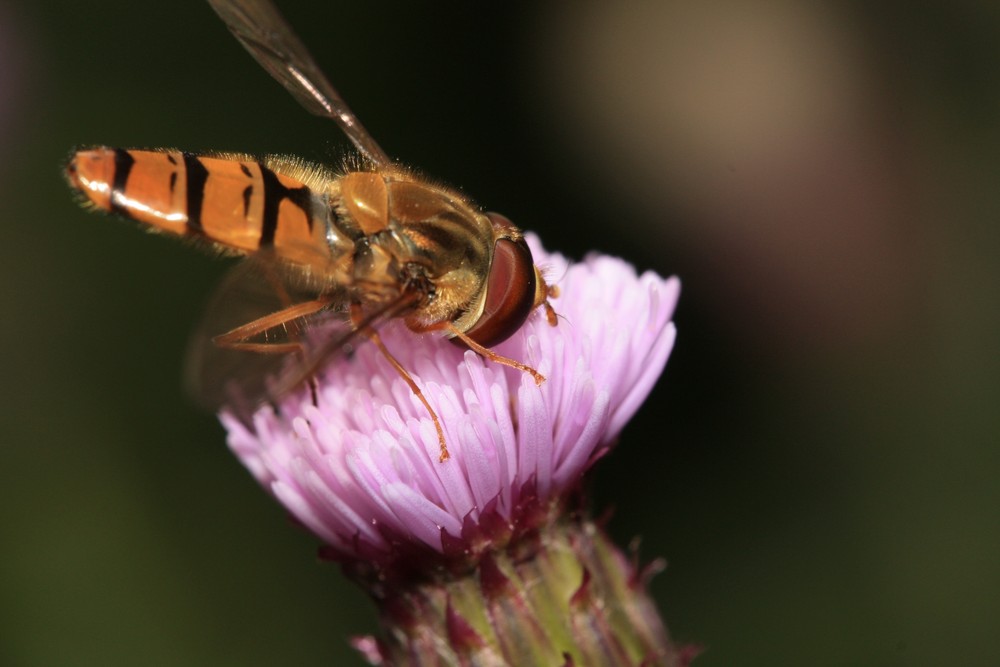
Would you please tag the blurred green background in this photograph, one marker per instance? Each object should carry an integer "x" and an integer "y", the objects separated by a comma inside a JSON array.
[{"x": 820, "y": 463}]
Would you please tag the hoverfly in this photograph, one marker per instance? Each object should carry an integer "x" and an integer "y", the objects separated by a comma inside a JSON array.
[{"x": 373, "y": 244}]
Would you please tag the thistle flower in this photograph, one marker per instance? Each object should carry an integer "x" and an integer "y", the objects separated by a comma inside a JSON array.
[{"x": 446, "y": 547}]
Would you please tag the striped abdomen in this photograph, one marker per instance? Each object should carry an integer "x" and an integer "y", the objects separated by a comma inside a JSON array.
[{"x": 232, "y": 201}]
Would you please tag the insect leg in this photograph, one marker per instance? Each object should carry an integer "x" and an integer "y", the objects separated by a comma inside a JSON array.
[
  {"x": 493, "y": 356},
  {"x": 357, "y": 317},
  {"x": 238, "y": 338}
]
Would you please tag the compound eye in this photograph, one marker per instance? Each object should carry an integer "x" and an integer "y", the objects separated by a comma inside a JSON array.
[{"x": 510, "y": 293}]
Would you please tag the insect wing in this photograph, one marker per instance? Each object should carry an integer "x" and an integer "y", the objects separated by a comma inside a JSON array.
[
  {"x": 262, "y": 30},
  {"x": 258, "y": 289}
]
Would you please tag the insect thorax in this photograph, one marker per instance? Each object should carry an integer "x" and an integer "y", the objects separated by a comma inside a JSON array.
[{"x": 416, "y": 236}]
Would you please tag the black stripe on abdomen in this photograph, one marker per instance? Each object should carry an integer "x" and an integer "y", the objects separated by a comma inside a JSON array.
[
  {"x": 123, "y": 166},
  {"x": 247, "y": 196},
  {"x": 274, "y": 193},
  {"x": 197, "y": 176}
]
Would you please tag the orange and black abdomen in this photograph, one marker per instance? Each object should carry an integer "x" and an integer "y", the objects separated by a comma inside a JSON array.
[{"x": 233, "y": 201}]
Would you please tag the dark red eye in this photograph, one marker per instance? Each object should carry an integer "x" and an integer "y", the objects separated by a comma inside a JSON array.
[{"x": 510, "y": 291}]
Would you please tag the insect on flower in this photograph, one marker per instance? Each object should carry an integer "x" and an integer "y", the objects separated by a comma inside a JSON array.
[{"x": 360, "y": 248}]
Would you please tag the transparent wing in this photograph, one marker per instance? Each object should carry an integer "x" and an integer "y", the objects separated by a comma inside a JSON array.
[
  {"x": 262, "y": 30},
  {"x": 254, "y": 290},
  {"x": 300, "y": 331}
]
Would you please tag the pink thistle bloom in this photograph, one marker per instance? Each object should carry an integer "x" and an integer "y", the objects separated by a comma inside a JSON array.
[{"x": 361, "y": 468}]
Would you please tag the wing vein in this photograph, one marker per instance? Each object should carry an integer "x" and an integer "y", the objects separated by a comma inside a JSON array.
[{"x": 267, "y": 36}]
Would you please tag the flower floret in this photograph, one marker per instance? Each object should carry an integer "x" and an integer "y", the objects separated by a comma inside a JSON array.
[{"x": 359, "y": 465}]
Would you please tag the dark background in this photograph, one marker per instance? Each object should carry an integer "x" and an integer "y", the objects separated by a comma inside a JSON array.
[{"x": 819, "y": 464}]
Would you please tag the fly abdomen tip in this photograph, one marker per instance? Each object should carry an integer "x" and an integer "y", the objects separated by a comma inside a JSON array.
[{"x": 90, "y": 173}]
